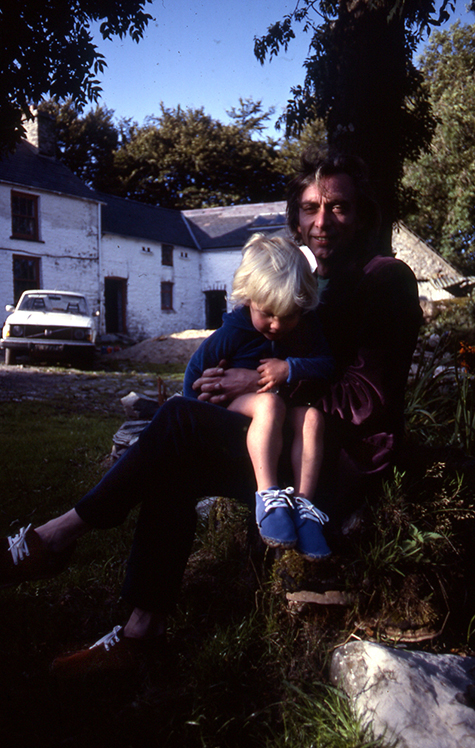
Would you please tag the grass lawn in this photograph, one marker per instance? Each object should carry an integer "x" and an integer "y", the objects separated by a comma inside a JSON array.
[{"x": 243, "y": 668}]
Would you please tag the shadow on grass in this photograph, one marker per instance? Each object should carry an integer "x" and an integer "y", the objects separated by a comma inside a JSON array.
[{"x": 243, "y": 669}]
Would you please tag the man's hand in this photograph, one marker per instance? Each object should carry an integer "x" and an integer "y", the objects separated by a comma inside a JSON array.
[
  {"x": 210, "y": 379},
  {"x": 272, "y": 372},
  {"x": 220, "y": 384}
]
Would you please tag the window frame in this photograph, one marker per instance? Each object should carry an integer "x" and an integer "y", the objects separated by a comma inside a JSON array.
[
  {"x": 25, "y": 283},
  {"x": 167, "y": 255},
  {"x": 32, "y": 200},
  {"x": 166, "y": 295}
]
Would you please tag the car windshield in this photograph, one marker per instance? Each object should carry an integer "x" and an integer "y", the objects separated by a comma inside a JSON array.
[{"x": 54, "y": 302}]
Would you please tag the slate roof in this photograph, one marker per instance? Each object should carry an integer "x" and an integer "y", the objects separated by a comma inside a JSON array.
[
  {"x": 231, "y": 226},
  {"x": 28, "y": 168},
  {"x": 141, "y": 221},
  {"x": 430, "y": 268},
  {"x": 426, "y": 263}
]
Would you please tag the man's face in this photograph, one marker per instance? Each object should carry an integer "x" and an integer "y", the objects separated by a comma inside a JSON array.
[{"x": 328, "y": 219}]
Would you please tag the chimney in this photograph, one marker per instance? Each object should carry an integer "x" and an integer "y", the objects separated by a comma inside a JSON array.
[{"x": 40, "y": 133}]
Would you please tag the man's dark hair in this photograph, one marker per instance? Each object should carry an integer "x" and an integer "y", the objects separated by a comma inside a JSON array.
[{"x": 316, "y": 165}]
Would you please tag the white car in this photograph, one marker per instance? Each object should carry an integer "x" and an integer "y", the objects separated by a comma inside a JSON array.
[{"x": 50, "y": 325}]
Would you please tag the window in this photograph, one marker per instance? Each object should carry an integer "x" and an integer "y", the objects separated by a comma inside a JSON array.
[
  {"x": 26, "y": 275},
  {"x": 167, "y": 254},
  {"x": 166, "y": 292},
  {"x": 24, "y": 216}
]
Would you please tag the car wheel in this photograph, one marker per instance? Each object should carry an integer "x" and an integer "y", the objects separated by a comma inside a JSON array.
[{"x": 10, "y": 357}]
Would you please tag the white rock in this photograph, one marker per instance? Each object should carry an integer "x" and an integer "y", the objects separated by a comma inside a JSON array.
[{"x": 421, "y": 700}]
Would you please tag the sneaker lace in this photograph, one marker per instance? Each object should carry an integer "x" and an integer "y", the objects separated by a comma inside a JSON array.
[
  {"x": 17, "y": 545},
  {"x": 307, "y": 510},
  {"x": 278, "y": 498},
  {"x": 109, "y": 640}
]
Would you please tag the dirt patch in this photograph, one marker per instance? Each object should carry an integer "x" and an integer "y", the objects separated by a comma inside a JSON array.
[{"x": 178, "y": 347}]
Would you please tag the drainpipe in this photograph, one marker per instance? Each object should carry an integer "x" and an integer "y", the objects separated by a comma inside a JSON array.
[{"x": 100, "y": 270}]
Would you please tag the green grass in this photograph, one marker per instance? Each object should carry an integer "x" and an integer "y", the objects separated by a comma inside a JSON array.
[
  {"x": 50, "y": 456},
  {"x": 243, "y": 669},
  {"x": 233, "y": 668}
]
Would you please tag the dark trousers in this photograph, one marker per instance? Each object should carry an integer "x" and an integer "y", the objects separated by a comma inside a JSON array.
[{"x": 190, "y": 450}]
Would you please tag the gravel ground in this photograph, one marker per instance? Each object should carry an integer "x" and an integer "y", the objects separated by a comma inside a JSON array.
[
  {"x": 85, "y": 390},
  {"x": 100, "y": 390}
]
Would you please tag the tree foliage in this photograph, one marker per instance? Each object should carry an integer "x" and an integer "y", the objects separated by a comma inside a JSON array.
[
  {"x": 361, "y": 81},
  {"x": 85, "y": 143},
  {"x": 181, "y": 159},
  {"x": 312, "y": 135},
  {"x": 249, "y": 116},
  {"x": 442, "y": 182},
  {"x": 185, "y": 159},
  {"x": 47, "y": 49}
]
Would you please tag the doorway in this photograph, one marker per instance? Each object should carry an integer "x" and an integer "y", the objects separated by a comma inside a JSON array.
[
  {"x": 115, "y": 295},
  {"x": 215, "y": 308}
]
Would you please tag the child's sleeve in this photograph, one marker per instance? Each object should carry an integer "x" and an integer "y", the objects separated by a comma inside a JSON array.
[
  {"x": 319, "y": 364},
  {"x": 208, "y": 355}
]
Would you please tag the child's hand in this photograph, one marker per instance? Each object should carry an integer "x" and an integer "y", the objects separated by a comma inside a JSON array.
[{"x": 272, "y": 372}]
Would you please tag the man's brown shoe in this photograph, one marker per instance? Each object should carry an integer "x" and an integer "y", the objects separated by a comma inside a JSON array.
[
  {"x": 24, "y": 557},
  {"x": 113, "y": 653}
]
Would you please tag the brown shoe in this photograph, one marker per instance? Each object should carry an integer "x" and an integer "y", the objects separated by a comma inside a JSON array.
[
  {"x": 24, "y": 557},
  {"x": 113, "y": 653}
]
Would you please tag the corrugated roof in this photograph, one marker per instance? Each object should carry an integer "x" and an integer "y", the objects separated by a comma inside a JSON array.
[
  {"x": 131, "y": 218},
  {"x": 27, "y": 168}
]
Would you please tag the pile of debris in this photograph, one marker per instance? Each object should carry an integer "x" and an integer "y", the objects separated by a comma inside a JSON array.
[{"x": 139, "y": 409}]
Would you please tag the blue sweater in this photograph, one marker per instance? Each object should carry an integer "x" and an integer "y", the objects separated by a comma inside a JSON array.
[{"x": 237, "y": 341}]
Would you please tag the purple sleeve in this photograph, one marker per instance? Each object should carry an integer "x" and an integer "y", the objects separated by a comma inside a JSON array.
[{"x": 370, "y": 388}]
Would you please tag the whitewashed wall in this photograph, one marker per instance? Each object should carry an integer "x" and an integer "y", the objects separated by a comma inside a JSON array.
[
  {"x": 140, "y": 264},
  {"x": 218, "y": 268},
  {"x": 68, "y": 245}
]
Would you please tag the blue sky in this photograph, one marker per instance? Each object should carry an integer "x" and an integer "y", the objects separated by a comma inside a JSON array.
[{"x": 199, "y": 53}]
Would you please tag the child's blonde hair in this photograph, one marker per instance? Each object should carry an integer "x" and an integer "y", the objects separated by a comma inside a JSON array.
[{"x": 274, "y": 274}]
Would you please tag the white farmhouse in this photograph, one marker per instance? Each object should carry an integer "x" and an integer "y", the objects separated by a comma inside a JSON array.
[
  {"x": 49, "y": 226},
  {"x": 165, "y": 270},
  {"x": 149, "y": 270}
]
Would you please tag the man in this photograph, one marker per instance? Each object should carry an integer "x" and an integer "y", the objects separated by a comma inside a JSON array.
[
  {"x": 371, "y": 316},
  {"x": 370, "y": 313}
]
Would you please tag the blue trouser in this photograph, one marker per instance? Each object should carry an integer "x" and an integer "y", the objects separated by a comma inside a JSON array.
[{"x": 190, "y": 450}]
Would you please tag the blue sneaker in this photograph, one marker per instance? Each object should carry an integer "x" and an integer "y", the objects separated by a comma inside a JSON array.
[
  {"x": 308, "y": 521},
  {"x": 274, "y": 517}
]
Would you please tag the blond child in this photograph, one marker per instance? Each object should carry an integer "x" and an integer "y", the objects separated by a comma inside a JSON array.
[{"x": 273, "y": 328}]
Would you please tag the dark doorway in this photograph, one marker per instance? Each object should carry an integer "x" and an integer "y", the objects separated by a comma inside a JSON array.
[
  {"x": 115, "y": 292},
  {"x": 215, "y": 308}
]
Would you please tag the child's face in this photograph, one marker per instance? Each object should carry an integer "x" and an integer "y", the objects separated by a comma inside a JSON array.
[{"x": 271, "y": 326}]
